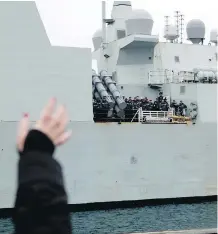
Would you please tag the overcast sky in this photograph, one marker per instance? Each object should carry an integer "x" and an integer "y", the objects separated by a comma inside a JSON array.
[{"x": 73, "y": 22}]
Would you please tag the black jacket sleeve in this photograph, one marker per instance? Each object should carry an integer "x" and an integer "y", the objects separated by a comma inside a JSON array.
[{"x": 41, "y": 200}]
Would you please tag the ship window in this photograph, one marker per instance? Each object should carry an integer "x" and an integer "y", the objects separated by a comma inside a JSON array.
[
  {"x": 182, "y": 89},
  {"x": 149, "y": 58},
  {"x": 121, "y": 34},
  {"x": 176, "y": 59}
]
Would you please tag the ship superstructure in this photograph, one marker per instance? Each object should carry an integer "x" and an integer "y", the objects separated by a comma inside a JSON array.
[
  {"x": 142, "y": 66},
  {"x": 106, "y": 162}
]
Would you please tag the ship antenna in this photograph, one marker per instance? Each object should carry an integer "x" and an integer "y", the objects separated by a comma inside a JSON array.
[
  {"x": 181, "y": 27},
  {"x": 166, "y": 24},
  {"x": 104, "y": 39},
  {"x": 177, "y": 24}
]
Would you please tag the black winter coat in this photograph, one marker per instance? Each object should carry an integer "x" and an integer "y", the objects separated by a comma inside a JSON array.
[{"x": 41, "y": 200}]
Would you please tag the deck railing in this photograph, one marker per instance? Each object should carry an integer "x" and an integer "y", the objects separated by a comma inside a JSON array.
[{"x": 153, "y": 116}]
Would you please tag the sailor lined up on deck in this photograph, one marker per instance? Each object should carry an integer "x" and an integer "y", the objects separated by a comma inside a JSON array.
[{"x": 179, "y": 108}]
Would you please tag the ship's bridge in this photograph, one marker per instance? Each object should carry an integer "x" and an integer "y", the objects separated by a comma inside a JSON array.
[
  {"x": 160, "y": 117},
  {"x": 138, "y": 41}
]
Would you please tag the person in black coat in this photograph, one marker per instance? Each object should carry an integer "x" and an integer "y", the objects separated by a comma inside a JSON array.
[{"x": 41, "y": 199}]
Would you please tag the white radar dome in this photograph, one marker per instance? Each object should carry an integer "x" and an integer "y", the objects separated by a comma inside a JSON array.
[
  {"x": 195, "y": 31},
  {"x": 214, "y": 36},
  {"x": 139, "y": 22},
  {"x": 170, "y": 32},
  {"x": 97, "y": 39}
]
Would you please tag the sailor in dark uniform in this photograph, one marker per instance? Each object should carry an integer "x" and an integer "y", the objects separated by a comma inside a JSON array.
[
  {"x": 161, "y": 106},
  {"x": 155, "y": 106},
  {"x": 146, "y": 99},
  {"x": 130, "y": 100},
  {"x": 166, "y": 104},
  {"x": 160, "y": 97},
  {"x": 181, "y": 108},
  {"x": 174, "y": 105},
  {"x": 150, "y": 105}
]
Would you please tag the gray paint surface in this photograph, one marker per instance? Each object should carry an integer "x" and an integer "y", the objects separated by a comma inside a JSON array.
[
  {"x": 21, "y": 27},
  {"x": 110, "y": 162},
  {"x": 102, "y": 162},
  {"x": 205, "y": 95},
  {"x": 135, "y": 56},
  {"x": 31, "y": 70}
]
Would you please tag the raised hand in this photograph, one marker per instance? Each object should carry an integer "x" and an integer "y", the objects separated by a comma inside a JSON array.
[{"x": 52, "y": 123}]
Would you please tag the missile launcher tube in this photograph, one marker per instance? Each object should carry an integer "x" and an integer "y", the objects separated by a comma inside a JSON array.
[
  {"x": 120, "y": 113},
  {"x": 110, "y": 113},
  {"x": 113, "y": 89},
  {"x": 97, "y": 96},
  {"x": 101, "y": 90}
]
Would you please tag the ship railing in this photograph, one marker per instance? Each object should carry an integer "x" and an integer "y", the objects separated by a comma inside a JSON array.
[
  {"x": 160, "y": 77},
  {"x": 153, "y": 116},
  {"x": 183, "y": 76}
]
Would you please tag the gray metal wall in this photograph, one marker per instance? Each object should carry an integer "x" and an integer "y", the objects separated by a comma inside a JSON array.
[
  {"x": 133, "y": 65},
  {"x": 110, "y": 162},
  {"x": 135, "y": 56},
  {"x": 31, "y": 70},
  {"x": 138, "y": 90},
  {"x": 190, "y": 56},
  {"x": 20, "y": 24},
  {"x": 205, "y": 95}
]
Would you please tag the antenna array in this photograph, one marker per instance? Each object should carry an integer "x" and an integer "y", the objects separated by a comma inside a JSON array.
[
  {"x": 166, "y": 24},
  {"x": 179, "y": 22},
  {"x": 181, "y": 27},
  {"x": 177, "y": 25}
]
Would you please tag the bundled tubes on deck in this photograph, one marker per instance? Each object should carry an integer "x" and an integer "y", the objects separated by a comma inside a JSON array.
[
  {"x": 101, "y": 89},
  {"x": 120, "y": 113},
  {"x": 97, "y": 96},
  {"x": 110, "y": 113},
  {"x": 113, "y": 89}
]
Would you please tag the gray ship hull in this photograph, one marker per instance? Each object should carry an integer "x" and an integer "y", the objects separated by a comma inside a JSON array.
[
  {"x": 106, "y": 162},
  {"x": 111, "y": 162}
]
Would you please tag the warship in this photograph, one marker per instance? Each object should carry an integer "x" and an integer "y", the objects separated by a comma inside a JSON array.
[{"x": 131, "y": 152}]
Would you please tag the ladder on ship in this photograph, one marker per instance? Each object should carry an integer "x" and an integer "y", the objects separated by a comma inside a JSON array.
[{"x": 153, "y": 116}]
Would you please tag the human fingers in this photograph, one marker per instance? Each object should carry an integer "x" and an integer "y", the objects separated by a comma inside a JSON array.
[
  {"x": 59, "y": 121},
  {"x": 23, "y": 128},
  {"x": 63, "y": 138},
  {"x": 54, "y": 124},
  {"x": 48, "y": 110}
]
